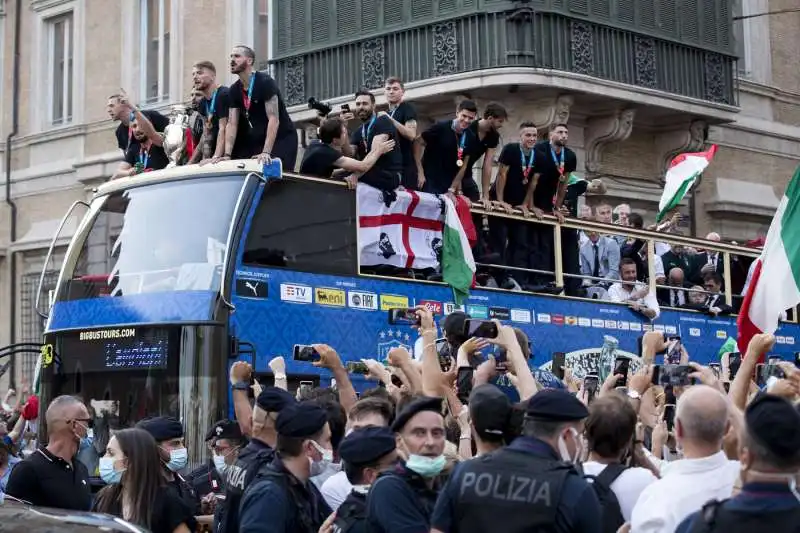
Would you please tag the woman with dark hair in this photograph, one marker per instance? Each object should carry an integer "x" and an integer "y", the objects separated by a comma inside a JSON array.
[{"x": 137, "y": 491}]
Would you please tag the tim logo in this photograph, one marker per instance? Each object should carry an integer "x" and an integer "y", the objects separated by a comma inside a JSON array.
[
  {"x": 296, "y": 293},
  {"x": 251, "y": 288}
]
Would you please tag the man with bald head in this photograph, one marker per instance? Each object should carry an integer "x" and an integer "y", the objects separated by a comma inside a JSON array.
[
  {"x": 675, "y": 296},
  {"x": 704, "y": 473},
  {"x": 52, "y": 476},
  {"x": 707, "y": 262}
]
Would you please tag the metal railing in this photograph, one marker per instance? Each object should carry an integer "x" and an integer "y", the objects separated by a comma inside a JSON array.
[{"x": 539, "y": 40}]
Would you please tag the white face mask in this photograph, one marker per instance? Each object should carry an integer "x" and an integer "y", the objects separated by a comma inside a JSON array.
[
  {"x": 319, "y": 467},
  {"x": 563, "y": 451},
  {"x": 219, "y": 463}
]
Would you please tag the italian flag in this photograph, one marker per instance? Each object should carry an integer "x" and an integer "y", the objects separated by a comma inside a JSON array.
[
  {"x": 682, "y": 174},
  {"x": 458, "y": 265},
  {"x": 775, "y": 285}
]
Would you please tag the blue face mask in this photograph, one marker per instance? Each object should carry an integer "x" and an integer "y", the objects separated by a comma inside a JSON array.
[
  {"x": 107, "y": 471},
  {"x": 426, "y": 466},
  {"x": 178, "y": 459}
]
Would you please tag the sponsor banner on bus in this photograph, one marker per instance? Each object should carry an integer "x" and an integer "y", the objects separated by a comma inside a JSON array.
[
  {"x": 390, "y": 301},
  {"x": 300, "y": 294},
  {"x": 434, "y": 307},
  {"x": 330, "y": 297},
  {"x": 362, "y": 300}
]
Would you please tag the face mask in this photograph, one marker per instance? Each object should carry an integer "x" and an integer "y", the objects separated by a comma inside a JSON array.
[
  {"x": 178, "y": 459},
  {"x": 426, "y": 466},
  {"x": 319, "y": 467},
  {"x": 361, "y": 489},
  {"x": 564, "y": 452},
  {"x": 107, "y": 471},
  {"x": 219, "y": 463}
]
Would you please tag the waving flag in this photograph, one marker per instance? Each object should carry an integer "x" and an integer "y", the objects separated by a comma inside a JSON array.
[
  {"x": 458, "y": 265},
  {"x": 682, "y": 174},
  {"x": 775, "y": 284}
]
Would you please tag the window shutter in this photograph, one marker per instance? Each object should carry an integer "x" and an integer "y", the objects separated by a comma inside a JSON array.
[
  {"x": 421, "y": 9},
  {"x": 579, "y": 6},
  {"x": 346, "y": 18},
  {"x": 602, "y": 9},
  {"x": 283, "y": 12},
  {"x": 298, "y": 35},
  {"x": 647, "y": 14},
  {"x": 369, "y": 16},
  {"x": 690, "y": 27},
  {"x": 447, "y": 7},
  {"x": 667, "y": 17},
  {"x": 393, "y": 12},
  {"x": 626, "y": 12},
  {"x": 709, "y": 22},
  {"x": 320, "y": 21}
]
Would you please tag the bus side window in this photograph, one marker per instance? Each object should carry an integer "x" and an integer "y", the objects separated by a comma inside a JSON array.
[{"x": 304, "y": 226}]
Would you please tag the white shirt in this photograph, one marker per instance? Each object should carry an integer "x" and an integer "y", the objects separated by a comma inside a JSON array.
[
  {"x": 685, "y": 486},
  {"x": 627, "y": 487},
  {"x": 336, "y": 489},
  {"x": 618, "y": 293}
]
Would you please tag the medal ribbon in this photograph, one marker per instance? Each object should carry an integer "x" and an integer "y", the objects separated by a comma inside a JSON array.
[
  {"x": 144, "y": 158},
  {"x": 526, "y": 168},
  {"x": 365, "y": 133},
  {"x": 247, "y": 96},
  {"x": 211, "y": 104},
  {"x": 461, "y": 144},
  {"x": 391, "y": 113},
  {"x": 559, "y": 162},
  {"x": 131, "y": 118}
]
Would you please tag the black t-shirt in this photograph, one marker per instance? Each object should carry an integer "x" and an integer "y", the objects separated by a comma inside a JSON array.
[
  {"x": 402, "y": 114},
  {"x": 167, "y": 513},
  {"x": 391, "y": 162},
  {"x": 515, "y": 188},
  {"x": 441, "y": 155},
  {"x": 124, "y": 136},
  {"x": 319, "y": 159},
  {"x": 45, "y": 480},
  {"x": 476, "y": 146},
  {"x": 217, "y": 106},
  {"x": 154, "y": 159},
  {"x": 549, "y": 176},
  {"x": 264, "y": 88}
]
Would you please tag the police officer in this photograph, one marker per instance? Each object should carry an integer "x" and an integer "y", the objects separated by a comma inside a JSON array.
[
  {"x": 257, "y": 453},
  {"x": 282, "y": 498},
  {"x": 365, "y": 452},
  {"x": 531, "y": 483},
  {"x": 770, "y": 459},
  {"x": 225, "y": 439},
  {"x": 168, "y": 434},
  {"x": 402, "y": 499}
]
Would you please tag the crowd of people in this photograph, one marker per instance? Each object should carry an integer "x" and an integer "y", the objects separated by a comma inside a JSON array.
[{"x": 440, "y": 448}]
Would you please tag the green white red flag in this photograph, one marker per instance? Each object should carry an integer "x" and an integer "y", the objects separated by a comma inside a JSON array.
[
  {"x": 683, "y": 173},
  {"x": 775, "y": 284}
]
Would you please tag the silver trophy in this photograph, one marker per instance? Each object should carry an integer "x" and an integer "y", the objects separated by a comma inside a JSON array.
[{"x": 175, "y": 134}]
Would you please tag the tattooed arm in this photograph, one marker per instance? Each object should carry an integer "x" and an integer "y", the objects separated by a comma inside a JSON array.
[{"x": 272, "y": 125}]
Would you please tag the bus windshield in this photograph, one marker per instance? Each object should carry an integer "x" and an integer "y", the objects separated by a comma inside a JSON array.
[{"x": 168, "y": 236}]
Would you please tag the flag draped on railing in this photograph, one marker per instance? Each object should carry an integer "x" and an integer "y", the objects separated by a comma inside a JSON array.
[{"x": 415, "y": 231}]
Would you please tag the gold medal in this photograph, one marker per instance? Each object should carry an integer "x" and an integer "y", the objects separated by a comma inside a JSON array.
[{"x": 459, "y": 163}]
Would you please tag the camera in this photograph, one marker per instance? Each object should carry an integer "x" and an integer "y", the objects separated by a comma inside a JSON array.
[{"x": 321, "y": 107}]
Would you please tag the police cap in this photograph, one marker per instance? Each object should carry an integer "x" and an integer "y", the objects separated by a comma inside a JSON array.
[
  {"x": 489, "y": 409},
  {"x": 162, "y": 428},
  {"x": 775, "y": 424},
  {"x": 556, "y": 405},
  {"x": 366, "y": 445},
  {"x": 417, "y": 405},
  {"x": 273, "y": 399},
  {"x": 301, "y": 420},
  {"x": 224, "y": 429}
]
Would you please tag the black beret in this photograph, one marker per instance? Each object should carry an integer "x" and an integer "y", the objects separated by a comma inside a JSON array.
[
  {"x": 301, "y": 420},
  {"x": 556, "y": 405},
  {"x": 774, "y": 423},
  {"x": 162, "y": 428},
  {"x": 417, "y": 405},
  {"x": 273, "y": 399},
  {"x": 224, "y": 429},
  {"x": 365, "y": 446}
]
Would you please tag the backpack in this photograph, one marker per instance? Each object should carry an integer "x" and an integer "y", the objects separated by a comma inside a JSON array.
[{"x": 612, "y": 513}]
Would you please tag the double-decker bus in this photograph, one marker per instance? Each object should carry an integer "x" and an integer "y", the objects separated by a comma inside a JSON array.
[{"x": 173, "y": 275}]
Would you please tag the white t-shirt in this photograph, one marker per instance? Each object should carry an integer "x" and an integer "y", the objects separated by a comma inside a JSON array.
[
  {"x": 336, "y": 489},
  {"x": 627, "y": 487}
]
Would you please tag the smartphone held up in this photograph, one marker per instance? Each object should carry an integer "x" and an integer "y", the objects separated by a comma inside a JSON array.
[
  {"x": 305, "y": 353},
  {"x": 404, "y": 317}
]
